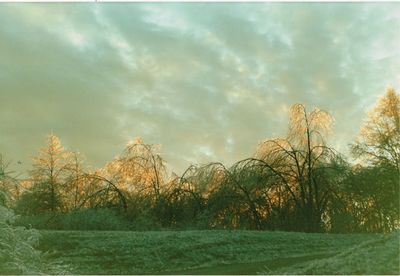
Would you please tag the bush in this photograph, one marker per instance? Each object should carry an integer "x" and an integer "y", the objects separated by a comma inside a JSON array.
[
  {"x": 94, "y": 219},
  {"x": 86, "y": 219},
  {"x": 17, "y": 252},
  {"x": 40, "y": 221}
]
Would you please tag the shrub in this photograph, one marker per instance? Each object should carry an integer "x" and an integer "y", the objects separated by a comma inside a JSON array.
[
  {"x": 40, "y": 221},
  {"x": 17, "y": 252},
  {"x": 85, "y": 219},
  {"x": 94, "y": 219}
]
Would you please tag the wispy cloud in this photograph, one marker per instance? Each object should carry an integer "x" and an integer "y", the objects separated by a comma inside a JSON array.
[{"x": 207, "y": 81}]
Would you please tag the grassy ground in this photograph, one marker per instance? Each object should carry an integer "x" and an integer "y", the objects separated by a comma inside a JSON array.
[
  {"x": 377, "y": 256},
  {"x": 192, "y": 252}
]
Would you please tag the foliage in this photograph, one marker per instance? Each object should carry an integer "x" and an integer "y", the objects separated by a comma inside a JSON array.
[
  {"x": 48, "y": 176},
  {"x": 139, "y": 170},
  {"x": 18, "y": 253},
  {"x": 84, "y": 219},
  {"x": 9, "y": 189},
  {"x": 369, "y": 200},
  {"x": 77, "y": 187},
  {"x": 301, "y": 161},
  {"x": 374, "y": 189},
  {"x": 379, "y": 140},
  {"x": 295, "y": 183}
]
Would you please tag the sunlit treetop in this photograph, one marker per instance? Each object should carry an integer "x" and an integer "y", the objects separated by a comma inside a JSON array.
[{"x": 379, "y": 139}]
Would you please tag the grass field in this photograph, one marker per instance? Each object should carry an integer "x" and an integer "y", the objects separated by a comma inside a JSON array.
[{"x": 219, "y": 252}]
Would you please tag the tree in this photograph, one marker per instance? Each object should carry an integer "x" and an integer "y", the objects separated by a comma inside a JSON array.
[
  {"x": 50, "y": 171},
  {"x": 9, "y": 188},
  {"x": 139, "y": 169},
  {"x": 375, "y": 187},
  {"x": 192, "y": 191},
  {"x": 300, "y": 161},
  {"x": 379, "y": 139},
  {"x": 248, "y": 185},
  {"x": 373, "y": 198},
  {"x": 101, "y": 191},
  {"x": 132, "y": 180},
  {"x": 76, "y": 184}
]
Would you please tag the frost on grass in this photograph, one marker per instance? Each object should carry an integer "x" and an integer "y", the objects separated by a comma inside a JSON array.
[
  {"x": 176, "y": 252},
  {"x": 17, "y": 252},
  {"x": 377, "y": 256}
]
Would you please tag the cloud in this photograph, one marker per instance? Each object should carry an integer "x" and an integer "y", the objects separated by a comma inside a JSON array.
[{"x": 207, "y": 81}]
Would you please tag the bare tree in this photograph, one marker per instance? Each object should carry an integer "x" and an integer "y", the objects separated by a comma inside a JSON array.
[
  {"x": 76, "y": 184},
  {"x": 139, "y": 169},
  {"x": 139, "y": 172},
  {"x": 299, "y": 160},
  {"x": 101, "y": 192}
]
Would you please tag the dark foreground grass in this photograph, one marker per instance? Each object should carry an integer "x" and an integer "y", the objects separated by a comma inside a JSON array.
[{"x": 191, "y": 252}]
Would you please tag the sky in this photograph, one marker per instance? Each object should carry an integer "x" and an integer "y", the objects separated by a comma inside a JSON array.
[{"x": 206, "y": 81}]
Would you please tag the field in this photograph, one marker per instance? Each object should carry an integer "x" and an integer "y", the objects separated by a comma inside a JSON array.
[{"x": 221, "y": 252}]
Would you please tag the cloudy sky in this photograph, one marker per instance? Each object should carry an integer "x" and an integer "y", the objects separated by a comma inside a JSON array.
[{"x": 207, "y": 81}]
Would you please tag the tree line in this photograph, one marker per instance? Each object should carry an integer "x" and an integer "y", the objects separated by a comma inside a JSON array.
[{"x": 294, "y": 183}]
